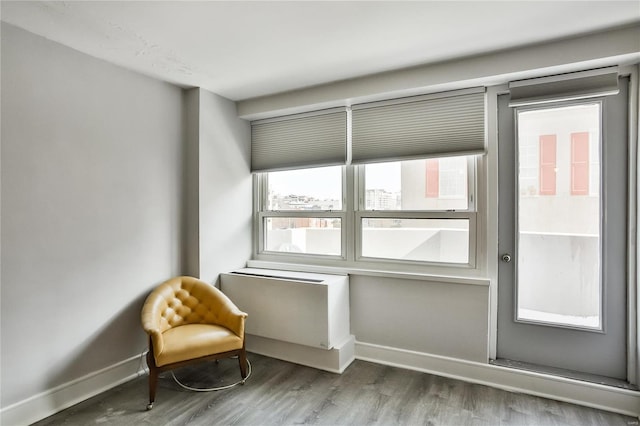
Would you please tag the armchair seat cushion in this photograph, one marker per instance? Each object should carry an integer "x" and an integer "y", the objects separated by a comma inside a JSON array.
[{"x": 191, "y": 341}]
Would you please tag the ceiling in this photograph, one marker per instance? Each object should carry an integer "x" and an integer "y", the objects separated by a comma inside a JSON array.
[{"x": 243, "y": 50}]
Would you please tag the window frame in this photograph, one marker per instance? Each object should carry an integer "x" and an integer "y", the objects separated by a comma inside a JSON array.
[
  {"x": 351, "y": 215},
  {"x": 472, "y": 178},
  {"x": 469, "y": 213},
  {"x": 379, "y": 214},
  {"x": 261, "y": 213}
]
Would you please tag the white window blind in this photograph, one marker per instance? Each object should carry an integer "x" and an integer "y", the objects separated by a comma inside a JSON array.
[
  {"x": 298, "y": 141},
  {"x": 443, "y": 124},
  {"x": 564, "y": 87}
]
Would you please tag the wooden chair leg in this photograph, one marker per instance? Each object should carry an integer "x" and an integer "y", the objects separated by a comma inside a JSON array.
[
  {"x": 242, "y": 360},
  {"x": 153, "y": 379}
]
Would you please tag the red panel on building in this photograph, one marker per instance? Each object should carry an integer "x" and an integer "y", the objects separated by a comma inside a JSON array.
[
  {"x": 548, "y": 165},
  {"x": 432, "y": 185},
  {"x": 580, "y": 163}
]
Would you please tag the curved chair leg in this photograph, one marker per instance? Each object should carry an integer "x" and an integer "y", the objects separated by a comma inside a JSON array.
[
  {"x": 153, "y": 379},
  {"x": 242, "y": 360}
]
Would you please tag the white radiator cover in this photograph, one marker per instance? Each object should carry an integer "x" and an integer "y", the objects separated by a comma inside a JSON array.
[{"x": 290, "y": 311}]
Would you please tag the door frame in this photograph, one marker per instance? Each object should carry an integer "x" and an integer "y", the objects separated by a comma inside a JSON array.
[{"x": 633, "y": 221}]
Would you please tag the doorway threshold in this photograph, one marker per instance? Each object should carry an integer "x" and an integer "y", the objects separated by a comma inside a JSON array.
[{"x": 561, "y": 372}]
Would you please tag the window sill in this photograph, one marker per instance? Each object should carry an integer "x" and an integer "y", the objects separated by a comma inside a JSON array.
[{"x": 449, "y": 279}]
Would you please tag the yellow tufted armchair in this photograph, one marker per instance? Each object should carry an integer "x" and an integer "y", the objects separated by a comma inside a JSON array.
[{"x": 187, "y": 321}]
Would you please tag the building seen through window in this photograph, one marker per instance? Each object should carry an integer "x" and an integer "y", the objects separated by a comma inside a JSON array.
[
  {"x": 304, "y": 211},
  {"x": 559, "y": 214}
]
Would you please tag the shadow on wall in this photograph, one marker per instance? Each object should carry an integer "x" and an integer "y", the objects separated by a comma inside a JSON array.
[{"x": 97, "y": 352}]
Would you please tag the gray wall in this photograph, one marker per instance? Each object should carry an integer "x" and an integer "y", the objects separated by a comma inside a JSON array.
[
  {"x": 225, "y": 194},
  {"x": 94, "y": 191},
  {"x": 91, "y": 169},
  {"x": 435, "y": 318},
  {"x": 218, "y": 207}
]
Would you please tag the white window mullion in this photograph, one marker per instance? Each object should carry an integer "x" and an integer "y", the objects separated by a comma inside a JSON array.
[
  {"x": 351, "y": 196},
  {"x": 472, "y": 171}
]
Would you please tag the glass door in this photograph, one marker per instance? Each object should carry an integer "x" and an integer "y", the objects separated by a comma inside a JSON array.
[{"x": 562, "y": 281}]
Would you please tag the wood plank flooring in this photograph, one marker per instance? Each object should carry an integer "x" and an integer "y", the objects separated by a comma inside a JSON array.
[{"x": 281, "y": 393}]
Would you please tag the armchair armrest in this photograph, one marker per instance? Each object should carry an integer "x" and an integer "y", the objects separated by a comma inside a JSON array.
[{"x": 151, "y": 319}]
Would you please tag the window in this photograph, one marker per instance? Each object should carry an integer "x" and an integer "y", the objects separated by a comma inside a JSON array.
[
  {"x": 562, "y": 232},
  {"x": 400, "y": 185},
  {"x": 305, "y": 189},
  {"x": 529, "y": 169},
  {"x": 452, "y": 181},
  {"x": 562, "y": 160},
  {"x": 309, "y": 235},
  {"x": 403, "y": 217},
  {"x": 302, "y": 211},
  {"x": 425, "y": 240},
  {"x": 446, "y": 177},
  {"x": 387, "y": 182}
]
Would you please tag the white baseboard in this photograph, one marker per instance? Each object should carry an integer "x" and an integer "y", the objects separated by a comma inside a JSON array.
[
  {"x": 593, "y": 395},
  {"x": 49, "y": 402}
]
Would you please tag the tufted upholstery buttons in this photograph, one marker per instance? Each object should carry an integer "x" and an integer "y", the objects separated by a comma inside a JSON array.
[{"x": 182, "y": 307}]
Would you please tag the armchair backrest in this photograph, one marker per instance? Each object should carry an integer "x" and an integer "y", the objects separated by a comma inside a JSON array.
[{"x": 188, "y": 300}]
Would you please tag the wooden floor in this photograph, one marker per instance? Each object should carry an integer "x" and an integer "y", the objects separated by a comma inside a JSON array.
[{"x": 281, "y": 393}]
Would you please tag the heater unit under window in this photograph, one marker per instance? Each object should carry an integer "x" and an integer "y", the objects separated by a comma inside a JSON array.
[{"x": 300, "y": 317}]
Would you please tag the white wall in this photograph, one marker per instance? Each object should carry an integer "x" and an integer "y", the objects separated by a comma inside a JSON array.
[{"x": 94, "y": 212}]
